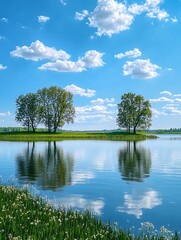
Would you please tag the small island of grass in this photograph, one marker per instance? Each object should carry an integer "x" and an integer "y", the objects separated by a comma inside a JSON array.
[{"x": 72, "y": 135}]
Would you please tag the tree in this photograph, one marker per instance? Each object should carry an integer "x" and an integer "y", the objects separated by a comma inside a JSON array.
[
  {"x": 27, "y": 111},
  {"x": 56, "y": 107},
  {"x": 134, "y": 112}
]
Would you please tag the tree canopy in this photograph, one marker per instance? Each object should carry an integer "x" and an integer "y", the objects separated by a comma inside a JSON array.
[
  {"x": 134, "y": 112},
  {"x": 27, "y": 111},
  {"x": 52, "y": 107},
  {"x": 56, "y": 107}
]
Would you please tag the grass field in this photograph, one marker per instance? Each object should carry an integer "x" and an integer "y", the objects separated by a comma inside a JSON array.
[
  {"x": 45, "y": 136},
  {"x": 27, "y": 217}
]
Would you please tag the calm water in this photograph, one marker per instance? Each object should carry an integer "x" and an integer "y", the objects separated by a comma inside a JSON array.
[{"x": 125, "y": 182}]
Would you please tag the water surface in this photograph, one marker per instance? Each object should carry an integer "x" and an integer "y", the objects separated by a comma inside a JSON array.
[{"x": 124, "y": 182}]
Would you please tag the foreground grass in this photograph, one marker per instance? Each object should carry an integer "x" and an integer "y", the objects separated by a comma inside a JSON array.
[
  {"x": 44, "y": 136},
  {"x": 30, "y": 218}
]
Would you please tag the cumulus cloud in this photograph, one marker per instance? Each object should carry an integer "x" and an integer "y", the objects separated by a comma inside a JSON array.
[
  {"x": 102, "y": 101},
  {"x": 62, "y": 63},
  {"x": 43, "y": 19},
  {"x": 166, "y": 92},
  {"x": 172, "y": 106},
  {"x": 162, "y": 99},
  {"x": 82, "y": 15},
  {"x": 173, "y": 110},
  {"x": 95, "y": 118},
  {"x": 110, "y": 17},
  {"x": 38, "y": 51},
  {"x": 2, "y": 67},
  {"x": 91, "y": 59},
  {"x": 95, "y": 113},
  {"x": 80, "y": 91},
  {"x": 91, "y": 109},
  {"x": 130, "y": 54},
  {"x": 178, "y": 100},
  {"x": 140, "y": 69}
]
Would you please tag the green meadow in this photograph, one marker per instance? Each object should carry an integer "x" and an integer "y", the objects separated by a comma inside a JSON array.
[{"x": 68, "y": 135}]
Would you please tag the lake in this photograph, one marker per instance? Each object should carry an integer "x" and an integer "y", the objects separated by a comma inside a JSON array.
[{"x": 124, "y": 182}]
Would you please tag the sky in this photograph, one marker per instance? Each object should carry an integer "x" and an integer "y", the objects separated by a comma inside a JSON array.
[{"x": 96, "y": 49}]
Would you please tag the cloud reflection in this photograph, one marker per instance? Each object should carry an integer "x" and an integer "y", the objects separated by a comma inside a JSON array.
[
  {"x": 82, "y": 177},
  {"x": 134, "y": 204},
  {"x": 79, "y": 202}
]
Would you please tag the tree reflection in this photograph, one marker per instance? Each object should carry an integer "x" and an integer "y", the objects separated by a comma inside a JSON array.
[
  {"x": 134, "y": 162},
  {"x": 51, "y": 169}
]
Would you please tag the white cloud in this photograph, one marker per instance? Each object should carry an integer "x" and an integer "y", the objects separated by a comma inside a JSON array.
[
  {"x": 5, "y": 20},
  {"x": 178, "y": 100},
  {"x": 38, "y": 51},
  {"x": 91, "y": 109},
  {"x": 80, "y": 91},
  {"x": 110, "y": 17},
  {"x": 112, "y": 105},
  {"x": 95, "y": 118},
  {"x": 174, "y": 20},
  {"x": 166, "y": 92},
  {"x": 173, "y": 110},
  {"x": 63, "y": 2},
  {"x": 162, "y": 99},
  {"x": 151, "y": 8},
  {"x": 43, "y": 19},
  {"x": 2, "y": 67},
  {"x": 91, "y": 59},
  {"x": 177, "y": 95},
  {"x": 140, "y": 69},
  {"x": 82, "y": 15},
  {"x": 134, "y": 204},
  {"x": 130, "y": 54},
  {"x": 102, "y": 101},
  {"x": 63, "y": 66},
  {"x": 95, "y": 113}
]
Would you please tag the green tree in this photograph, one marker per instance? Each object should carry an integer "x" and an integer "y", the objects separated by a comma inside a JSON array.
[
  {"x": 27, "y": 111},
  {"x": 56, "y": 107},
  {"x": 134, "y": 112}
]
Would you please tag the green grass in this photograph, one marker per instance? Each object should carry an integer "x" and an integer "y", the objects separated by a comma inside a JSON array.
[
  {"x": 24, "y": 217},
  {"x": 45, "y": 136}
]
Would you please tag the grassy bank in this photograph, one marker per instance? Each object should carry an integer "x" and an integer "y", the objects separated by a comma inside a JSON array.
[
  {"x": 23, "y": 217},
  {"x": 44, "y": 136}
]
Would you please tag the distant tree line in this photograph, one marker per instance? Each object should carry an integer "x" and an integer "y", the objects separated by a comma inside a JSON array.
[{"x": 52, "y": 107}]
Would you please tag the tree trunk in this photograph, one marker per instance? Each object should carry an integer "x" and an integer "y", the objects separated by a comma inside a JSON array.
[{"x": 134, "y": 130}]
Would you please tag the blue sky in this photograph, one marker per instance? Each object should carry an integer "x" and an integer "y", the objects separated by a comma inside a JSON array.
[{"x": 98, "y": 50}]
